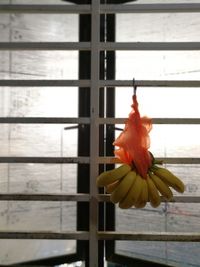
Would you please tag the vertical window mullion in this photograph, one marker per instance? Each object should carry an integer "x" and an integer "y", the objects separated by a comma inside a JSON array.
[
  {"x": 94, "y": 132},
  {"x": 84, "y": 135}
]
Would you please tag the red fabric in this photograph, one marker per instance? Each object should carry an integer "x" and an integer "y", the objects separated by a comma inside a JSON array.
[{"x": 134, "y": 141}]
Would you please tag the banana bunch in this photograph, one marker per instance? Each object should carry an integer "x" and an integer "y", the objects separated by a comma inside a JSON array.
[{"x": 129, "y": 189}]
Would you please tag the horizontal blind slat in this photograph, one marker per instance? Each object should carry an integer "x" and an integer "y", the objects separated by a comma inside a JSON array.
[
  {"x": 62, "y": 120},
  {"x": 45, "y": 9},
  {"x": 151, "y": 83},
  {"x": 150, "y": 46},
  {"x": 44, "y": 83},
  {"x": 80, "y": 197},
  {"x": 105, "y": 9},
  {"x": 47, "y": 160},
  {"x": 86, "y": 160},
  {"x": 151, "y": 8},
  {"x": 107, "y": 46},
  {"x": 44, "y": 120},
  {"x": 50, "y": 46},
  {"x": 103, "y": 235},
  {"x": 102, "y": 83},
  {"x": 76, "y": 235},
  {"x": 167, "y": 160},
  {"x": 154, "y": 120},
  {"x": 150, "y": 236}
]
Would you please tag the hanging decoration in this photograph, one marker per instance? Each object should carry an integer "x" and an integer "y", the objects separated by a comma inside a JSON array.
[{"x": 140, "y": 178}]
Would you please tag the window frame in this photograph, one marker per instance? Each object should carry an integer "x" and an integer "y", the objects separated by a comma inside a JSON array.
[{"x": 91, "y": 234}]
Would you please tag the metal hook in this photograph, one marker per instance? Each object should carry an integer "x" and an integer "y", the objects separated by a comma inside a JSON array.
[{"x": 134, "y": 87}]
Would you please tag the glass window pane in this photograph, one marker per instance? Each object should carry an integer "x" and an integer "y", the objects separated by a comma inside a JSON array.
[
  {"x": 39, "y": 27},
  {"x": 189, "y": 173},
  {"x": 158, "y": 27},
  {"x": 34, "y": 215},
  {"x": 58, "y": 142},
  {"x": 29, "y": 65},
  {"x": 171, "y": 217},
  {"x": 38, "y": 102},
  {"x": 157, "y": 102},
  {"x": 166, "y": 140},
  {"x": 158, "y": 65},
  {"x": 172, "y": 253},
  {"x": 175, "y": 140},
  {"x": 12, "y": 251},
  {"x": 38, "y": 178},
  {"x": 44, "y": 27},
  {"x": 28, "y": 140}
]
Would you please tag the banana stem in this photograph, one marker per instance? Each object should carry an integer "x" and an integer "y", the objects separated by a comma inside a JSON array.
[
  {"x": 153, "y": 167},
  {"x": 155, "y": 161},
  {"x": 159, "y": 162}
]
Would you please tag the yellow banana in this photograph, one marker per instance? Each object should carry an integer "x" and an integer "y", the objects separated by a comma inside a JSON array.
[
  {"x": 111, "y": 187},
  {"x": 108, "y": 177},
  {"x": 154, "y": 196},
  {"x": 169, "y": 178},
  {"x": 143, "y": 198},
  {"x": 162, "y": 187},
  {"x": 123, "y": 187},
  {"x": 133, "y": 194}
]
